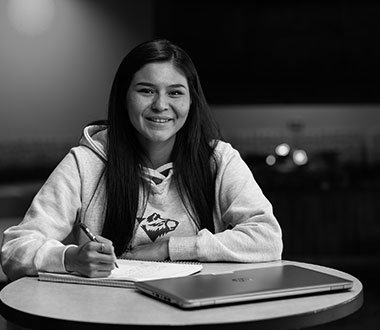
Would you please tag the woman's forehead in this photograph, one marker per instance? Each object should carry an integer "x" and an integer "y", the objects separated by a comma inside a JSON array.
[{"x": 160, "y": 72}]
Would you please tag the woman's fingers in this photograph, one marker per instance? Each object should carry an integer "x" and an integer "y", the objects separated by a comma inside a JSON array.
[
  {"x": 97, "y": 270},
  {"x": 104, "y": 240},
  {"x": 87, "y": 259},
  {"x": 100, "y": 253},
  {"x": 92, "y": 259},
  {"x": 105, "y": 246}
]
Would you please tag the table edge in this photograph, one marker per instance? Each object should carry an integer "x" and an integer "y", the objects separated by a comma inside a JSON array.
[{"x": 308, "y": 319}]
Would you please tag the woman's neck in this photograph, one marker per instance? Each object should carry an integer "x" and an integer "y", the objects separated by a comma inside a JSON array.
[{"x": 158, "y": 154}]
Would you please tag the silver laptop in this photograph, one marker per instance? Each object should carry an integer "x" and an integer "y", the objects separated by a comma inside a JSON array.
[{"x": 242, "y": 286}]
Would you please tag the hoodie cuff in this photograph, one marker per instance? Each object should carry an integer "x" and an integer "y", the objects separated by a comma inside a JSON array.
[
  {"x": 183, "y": 248},
  {"x": 51, "y": 257}
]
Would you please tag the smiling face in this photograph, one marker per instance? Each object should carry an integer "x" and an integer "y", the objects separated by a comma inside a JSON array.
[{"x": 158, "y": 102}]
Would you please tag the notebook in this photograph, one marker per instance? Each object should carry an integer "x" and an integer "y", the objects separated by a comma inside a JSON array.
[
  {"x": 242, "y": 286},
  {"x": 129, "y": 272}
]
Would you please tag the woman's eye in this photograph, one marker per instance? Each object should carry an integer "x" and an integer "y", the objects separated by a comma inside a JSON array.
[
  {"x": 176, "y": 93},
  {"x": 146, "y": 91}
]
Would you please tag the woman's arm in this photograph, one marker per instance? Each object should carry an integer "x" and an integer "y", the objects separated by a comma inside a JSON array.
[
  {"x": 35, "y": 244},
  {"x": 254, "y": 234}
]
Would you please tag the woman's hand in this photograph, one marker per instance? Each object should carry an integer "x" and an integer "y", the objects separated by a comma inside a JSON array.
[
  {"x": 92, "y": 259},
  {"x": 154, "y": 251}
]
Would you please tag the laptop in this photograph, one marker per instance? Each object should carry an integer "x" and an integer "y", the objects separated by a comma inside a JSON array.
[{"x": 242, "y": 286}]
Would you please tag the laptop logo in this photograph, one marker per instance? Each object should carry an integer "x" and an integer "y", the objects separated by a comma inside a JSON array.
[{"x": 242, "y": 279}]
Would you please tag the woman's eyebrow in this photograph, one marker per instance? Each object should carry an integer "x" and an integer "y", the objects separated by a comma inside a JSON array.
[
  {"x": 143, "y": 83},
  {"x": 177, "y": 86}
]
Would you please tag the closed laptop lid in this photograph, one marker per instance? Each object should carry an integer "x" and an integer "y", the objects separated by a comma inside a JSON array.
[{"x": 243, "y": 285}]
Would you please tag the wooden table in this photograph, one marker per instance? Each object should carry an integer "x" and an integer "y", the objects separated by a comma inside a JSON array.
[{"x": 30, "y": 303}]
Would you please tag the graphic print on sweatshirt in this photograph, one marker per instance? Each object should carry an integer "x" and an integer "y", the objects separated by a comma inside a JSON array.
[{"x": 155, "y": 226}]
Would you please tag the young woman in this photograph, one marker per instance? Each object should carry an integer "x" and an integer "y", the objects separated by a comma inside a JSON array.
[{"x": 153, "y": 182}]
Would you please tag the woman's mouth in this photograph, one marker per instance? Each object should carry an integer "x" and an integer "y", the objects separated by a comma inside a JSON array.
[{"x": 158, "y": 120}]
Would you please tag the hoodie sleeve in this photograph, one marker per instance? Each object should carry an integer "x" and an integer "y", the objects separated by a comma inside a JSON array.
[
  {"x": 254, "y": 234},
  {"x": 35, "y": 244}
]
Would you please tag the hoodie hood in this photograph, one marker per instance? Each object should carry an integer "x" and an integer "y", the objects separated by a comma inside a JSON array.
[{"x": 95, "y": 137}]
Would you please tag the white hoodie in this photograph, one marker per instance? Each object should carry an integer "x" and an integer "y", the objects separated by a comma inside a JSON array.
[{"x": 245, "y": 227}]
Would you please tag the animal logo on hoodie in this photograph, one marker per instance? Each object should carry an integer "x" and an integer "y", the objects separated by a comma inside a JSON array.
[{"x": 155, "y": 226}]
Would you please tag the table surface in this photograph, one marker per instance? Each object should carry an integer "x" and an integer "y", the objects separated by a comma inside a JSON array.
[{"x": 32, "y": 303}]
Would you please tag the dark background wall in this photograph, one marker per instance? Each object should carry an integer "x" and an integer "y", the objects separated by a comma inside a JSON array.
[{"x": 279, "y": 51}]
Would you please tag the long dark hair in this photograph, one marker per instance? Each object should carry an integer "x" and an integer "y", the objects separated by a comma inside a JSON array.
[{"x": 192, "y": 155}]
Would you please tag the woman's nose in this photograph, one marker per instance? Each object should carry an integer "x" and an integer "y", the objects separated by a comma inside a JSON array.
[{"x": 160, "y": 103}]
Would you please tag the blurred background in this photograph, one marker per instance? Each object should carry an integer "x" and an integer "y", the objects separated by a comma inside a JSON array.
[{"x": 294, "y": 86}]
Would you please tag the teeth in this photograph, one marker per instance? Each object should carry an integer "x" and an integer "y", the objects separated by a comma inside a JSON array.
[{"x": 158, "y": 120}]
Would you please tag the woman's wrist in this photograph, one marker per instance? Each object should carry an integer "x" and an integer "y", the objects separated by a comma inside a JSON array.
[{"x": 69, "y": 257}]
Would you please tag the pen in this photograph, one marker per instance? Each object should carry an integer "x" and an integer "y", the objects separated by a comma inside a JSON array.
[{"x": 91, "y": 236}]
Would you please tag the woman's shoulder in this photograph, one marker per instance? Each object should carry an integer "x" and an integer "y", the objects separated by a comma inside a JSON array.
[
  {"x": 227, "y": 158},
  {"x": 83, "y": 160},
  {"x": 92, "y": 145},
  {"x": 224, "y": 150}
]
